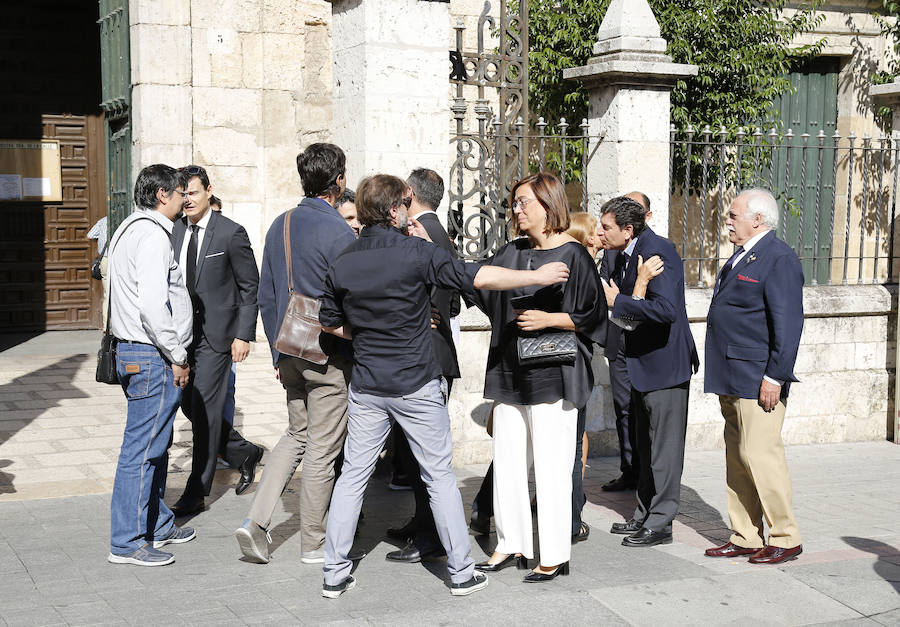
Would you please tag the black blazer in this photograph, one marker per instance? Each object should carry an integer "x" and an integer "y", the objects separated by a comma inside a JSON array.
[
  {"x": 443, "y": 300},
  {"x": 226, "y": 283},
  {"x": 660, "y": 352}
]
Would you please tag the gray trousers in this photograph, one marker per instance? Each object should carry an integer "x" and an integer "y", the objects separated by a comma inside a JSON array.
[
  {"x": 424, "y": 418},
  {"x": 661, "y": 417},
  {"x": 317, "y": 424}
]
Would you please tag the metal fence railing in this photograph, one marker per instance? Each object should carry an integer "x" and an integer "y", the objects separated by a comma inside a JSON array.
[
  {"x": 836, "y": 194},
  {"x": 479, "y": 182}
]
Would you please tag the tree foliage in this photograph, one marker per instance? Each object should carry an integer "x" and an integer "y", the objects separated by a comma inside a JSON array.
[
  {"x": 742, "y": 47},
  {"x": 891, "y": 29}
]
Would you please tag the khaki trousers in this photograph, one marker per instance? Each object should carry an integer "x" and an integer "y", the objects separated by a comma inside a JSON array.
[
  {"x": 317, "y": 426},
  {"x": 757, "y": 476}
]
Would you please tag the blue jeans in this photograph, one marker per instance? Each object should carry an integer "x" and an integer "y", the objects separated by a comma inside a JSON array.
[{"x": 138, "y": 514}]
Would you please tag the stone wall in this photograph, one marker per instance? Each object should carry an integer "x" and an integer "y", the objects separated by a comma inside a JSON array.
[
  {"x": 845, "y": 366},
  {"x": 238, "y": 86}
]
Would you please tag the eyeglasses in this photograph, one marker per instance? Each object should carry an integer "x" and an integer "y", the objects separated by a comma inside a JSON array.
[
  {"x": 519, "y": 203},
  {"x": 193, "y": 170},
  {"x": 183, "y": 193}
]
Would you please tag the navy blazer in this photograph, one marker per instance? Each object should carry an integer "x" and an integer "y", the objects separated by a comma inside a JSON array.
[
  {"x": 226, "y": 282},
  {"x": 755, "y": 321},
  {"x": 660, "y": 353}
]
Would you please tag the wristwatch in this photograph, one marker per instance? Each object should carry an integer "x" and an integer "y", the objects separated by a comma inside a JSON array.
[{"x": 636, "y": 297}]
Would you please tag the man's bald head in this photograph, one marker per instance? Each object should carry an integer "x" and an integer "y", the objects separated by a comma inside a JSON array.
[{"x": 642, "y": 199}]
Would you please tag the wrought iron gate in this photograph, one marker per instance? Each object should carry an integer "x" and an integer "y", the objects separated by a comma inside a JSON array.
[
  {"x": 492, "y": 156},
  {"x": 116, "y": 65}
]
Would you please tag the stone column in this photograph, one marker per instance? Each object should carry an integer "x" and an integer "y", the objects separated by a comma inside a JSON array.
[
  {"x": 391, "y": 85},
  {"x": 889, "y": 96},
  {"x": 629, "y": 80},
  {"x": 161, "y": 77}
]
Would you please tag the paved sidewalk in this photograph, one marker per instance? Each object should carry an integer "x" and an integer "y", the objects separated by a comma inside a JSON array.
[{"x": 59, "y": 434}]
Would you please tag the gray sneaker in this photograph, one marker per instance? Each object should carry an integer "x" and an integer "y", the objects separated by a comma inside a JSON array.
[
  {"x": 254, "y": 542},
  {"x": 144, "y": 556},
  {"x": 333, "y": 592},
  {"x": 479, "y": 581},
  {"x": 179, "y": 535}
]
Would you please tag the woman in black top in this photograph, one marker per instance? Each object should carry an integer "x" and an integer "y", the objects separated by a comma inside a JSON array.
[{"x": 537, "y": 406}]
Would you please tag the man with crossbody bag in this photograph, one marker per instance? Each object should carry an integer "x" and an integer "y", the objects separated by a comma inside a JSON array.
[
  {"x": 151, "y": 316},
  {"x": 295, "y": 260}
]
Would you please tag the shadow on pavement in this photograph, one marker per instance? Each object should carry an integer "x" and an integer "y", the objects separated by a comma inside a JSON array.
[
  {"x": 888, "y": 565},
  {"x": 48, "y": 375}
]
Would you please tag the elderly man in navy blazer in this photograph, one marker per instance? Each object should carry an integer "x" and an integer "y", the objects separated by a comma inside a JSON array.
[
  {"x": 660, "y": 356},
  {"x": 752, "y": 337}
]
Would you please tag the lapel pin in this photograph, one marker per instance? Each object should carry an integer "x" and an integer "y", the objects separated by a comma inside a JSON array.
[{"x": 751, "y": 258}]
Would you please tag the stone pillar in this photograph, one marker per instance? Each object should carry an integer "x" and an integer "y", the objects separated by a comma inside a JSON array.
[
  {"x": 161, "y": 75},
  {"x": 629, "y": 80},
  {"x": 889, "y": 96},
  {"x": 391, "y": 85}
]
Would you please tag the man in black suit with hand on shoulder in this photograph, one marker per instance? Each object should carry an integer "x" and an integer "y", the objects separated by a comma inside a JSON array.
[{"x": 222, "y": 278}]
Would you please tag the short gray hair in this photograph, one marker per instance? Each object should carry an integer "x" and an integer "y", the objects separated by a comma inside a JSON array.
[{"x": 761, "y": 202}]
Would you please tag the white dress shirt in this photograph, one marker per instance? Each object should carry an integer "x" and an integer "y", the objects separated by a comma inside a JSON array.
[
  {"x": 201, "y": 231},
  {"x": 149, "y": 301}
]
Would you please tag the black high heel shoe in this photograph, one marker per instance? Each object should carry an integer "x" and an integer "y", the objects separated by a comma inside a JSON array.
[
  {"x": 487, "y": 567},
  {"x": 562, "y": 569}
]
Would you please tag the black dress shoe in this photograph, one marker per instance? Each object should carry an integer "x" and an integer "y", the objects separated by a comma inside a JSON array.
[
  {"x": 187, "y": 505},
  {"x": 248, "y": 471},
  {"x": 406, "y": 532},
  {"x": 648, "y": 537},
  {"x": 410, "y": 554},
  {"x": 583, "y": 532},
  {"x": 619, "y": 484},
  {"x": 520, "y": 560},
  {"x": 626, "y": 528},
  {"x": 562, "y": 569}
]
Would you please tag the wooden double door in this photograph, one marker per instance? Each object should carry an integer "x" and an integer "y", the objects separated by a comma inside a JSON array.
[{"x": 50, "y": 69}]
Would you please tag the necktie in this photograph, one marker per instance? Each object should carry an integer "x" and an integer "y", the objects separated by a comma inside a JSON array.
[
  {"x": 730, "y": 264},
  {"x": 625, "y": 258},
  {"x": 191, "y": 270}
]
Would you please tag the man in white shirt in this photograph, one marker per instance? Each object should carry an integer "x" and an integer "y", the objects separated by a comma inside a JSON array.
[{"x": 151, "y": 317}]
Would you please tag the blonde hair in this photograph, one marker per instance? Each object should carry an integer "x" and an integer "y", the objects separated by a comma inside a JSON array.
[{"x": 582, "y": 225}]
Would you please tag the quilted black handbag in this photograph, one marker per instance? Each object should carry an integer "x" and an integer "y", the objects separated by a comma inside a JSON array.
[{"x": 547, "y": 348}]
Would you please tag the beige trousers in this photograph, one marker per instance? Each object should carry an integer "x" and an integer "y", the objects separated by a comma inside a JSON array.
[
  {"x": 757, "y": 476},
  {"x": 317, "y": 426}
]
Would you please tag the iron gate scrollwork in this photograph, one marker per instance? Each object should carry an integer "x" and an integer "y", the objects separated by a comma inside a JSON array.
[{"x": 491, "y": 157}]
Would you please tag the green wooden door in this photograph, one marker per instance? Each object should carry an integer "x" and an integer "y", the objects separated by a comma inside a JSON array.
[
  {"x": 804, "y": 177},
  {"x": 116, "y": 80}
]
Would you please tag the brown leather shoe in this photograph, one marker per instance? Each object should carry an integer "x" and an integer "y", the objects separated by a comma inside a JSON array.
[
  {"x": 775, "y": 554},
  {"x": 730, "y": 550}
]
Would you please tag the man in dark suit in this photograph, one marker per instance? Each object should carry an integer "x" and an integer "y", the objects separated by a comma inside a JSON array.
[
  {"x": 618, "y": 377},
  {"x": 221, "y": 276},
  {"x": 752, "y": 336},
  {"x": 660, "y": 357},
  {"x": 426, "y": 189}
]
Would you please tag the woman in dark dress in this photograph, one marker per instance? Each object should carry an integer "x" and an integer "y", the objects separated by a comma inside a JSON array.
[{"x": 536, "y": 408}]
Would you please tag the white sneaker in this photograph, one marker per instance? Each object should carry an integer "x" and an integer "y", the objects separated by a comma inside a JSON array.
[
  {"x": 254, "y": 542},
  {"x": 313, "y": 557}
]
